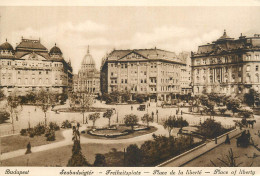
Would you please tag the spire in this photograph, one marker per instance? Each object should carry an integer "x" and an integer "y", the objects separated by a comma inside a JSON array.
[
  {"x": 225, "y": 32},
  {"x": 6, "y": 39},
  {"x": 88, "y": 50}
]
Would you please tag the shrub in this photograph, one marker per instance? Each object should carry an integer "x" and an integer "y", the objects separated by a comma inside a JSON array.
[
  {"x": 211, "y": 129},
  {"x": 54, "y": 126},
  {"x": 51, "y": 135},
  {"x": 4, "y": 116},
  {"x": 31, "y": 134},
  {"x": 39, "y": 130},
  {"x": 23, "y": 132},
  {"x": 66, "y": 124}
]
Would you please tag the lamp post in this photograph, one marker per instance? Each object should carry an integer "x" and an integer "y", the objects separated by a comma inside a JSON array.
[{"x": 29, "y": 123}]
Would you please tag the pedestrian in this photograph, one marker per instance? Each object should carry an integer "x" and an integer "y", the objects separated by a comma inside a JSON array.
[
  {"x": 176, "y": 111},
  {"x": 157, "y": 112},
  {"x": 78, "y": 125},
  {"x": 28, "y": 148},
  {"x": 216, "y": 140},
  {"x": 131, "y": 107},
  {"x": 152, "y": 114},
  {"x": 227, "y": 141},
  {"x": 181, "y": 112}
]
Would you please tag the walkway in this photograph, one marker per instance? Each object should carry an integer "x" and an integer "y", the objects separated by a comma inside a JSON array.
[
  {"x": 83, "y": 140},
  {"x": 179, "y": 161}
]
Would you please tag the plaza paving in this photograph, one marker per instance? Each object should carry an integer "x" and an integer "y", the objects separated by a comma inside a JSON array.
[{"x": 34, "y": 115}]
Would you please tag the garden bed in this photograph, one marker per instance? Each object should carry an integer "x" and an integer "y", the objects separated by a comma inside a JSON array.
[
  {"x": 119, "y": 132},
  {"x": 78, "y": 109},
  {"x": 16, "y": 142}
]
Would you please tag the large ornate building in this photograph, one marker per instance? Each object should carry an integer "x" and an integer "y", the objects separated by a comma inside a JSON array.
[
  {"x": 30, "y": 67},
  {"x": 227, "y": 65},
  {"x": 142, "y": 71},
  {"x": 88, "y": 77}
]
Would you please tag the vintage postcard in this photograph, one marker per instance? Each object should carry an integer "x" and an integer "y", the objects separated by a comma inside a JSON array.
[{"x": 129, "y": 89}]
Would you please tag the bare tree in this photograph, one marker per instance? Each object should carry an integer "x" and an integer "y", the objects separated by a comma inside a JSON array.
[
  {"x": 94, "y": 117},
  {"x": 45, "y": 100},
  {"x": 231, "y": 160},
  {"x": 13, "y": 104},
  {"x": 85, "y": 100}
]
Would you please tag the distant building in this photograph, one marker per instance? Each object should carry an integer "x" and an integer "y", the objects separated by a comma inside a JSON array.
[
  {"x": 185, "y": 76},
  {"x": 227, "y": 66},
  {"x": 88, "y": 77},
  {"x": 154, "y": 72},
  {"x": 30, "y": 67}
]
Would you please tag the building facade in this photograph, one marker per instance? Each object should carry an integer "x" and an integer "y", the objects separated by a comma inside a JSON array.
[
  {"x": 31, "y": 67},
  {"x": 227, "y": 65},
  {"x": 88, "y": 77},
  {"x": 142, "y": 71},
  {"x": 185, "y": 76}
]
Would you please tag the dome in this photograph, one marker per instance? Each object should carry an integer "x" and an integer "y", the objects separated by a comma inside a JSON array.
[
  {"x": 88, "y": 59},
  {"x": 55, "y": 50},
  {"x": 6, "y": 46},
  {"x": 224, "y": 36}
]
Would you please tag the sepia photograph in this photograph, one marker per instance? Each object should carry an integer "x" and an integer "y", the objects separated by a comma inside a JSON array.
[{"x": 130, "y": 86}]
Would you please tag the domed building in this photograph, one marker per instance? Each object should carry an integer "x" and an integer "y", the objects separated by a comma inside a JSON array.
[
  {"x": 30, "y": 67},
  {"x": 88, "y": 78}
]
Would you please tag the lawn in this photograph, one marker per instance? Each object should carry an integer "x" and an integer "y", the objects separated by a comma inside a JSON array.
[
  {"x": 60, "y": 156},
  {"x": 16, "y": 142},
  {"x": 121, "y": 129}
]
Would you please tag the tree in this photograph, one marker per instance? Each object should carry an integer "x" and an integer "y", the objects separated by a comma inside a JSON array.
[
  {"x": 180, "y": 123},
  {"x": 210, "y": 128},
  {"x": 233, "y": 104},
  {"x": 2, "y": 95},
  {"x": 131, "y": 120},
  {"x": 222, "y": 110},
  {"x": 100, "y": 160},
  {"x": 245, "y": 113},
  {"x": 108, "y": 114},
  {"x": 45, "y": 99},
  {"x": 85, "y": 100},
  {"x": 13, "y": 103},
  {"x": 231, "y": 160},
  {"x": 249, "y": 98},
  {"x": 133, "y": 155},
  {"x": 77, "y": 158},
  {"x": 147, "y": 118},
  {"x": 4, "y": 116},
  {"x": 169, "y": 124},
  {"x": 94, "y": 117}
]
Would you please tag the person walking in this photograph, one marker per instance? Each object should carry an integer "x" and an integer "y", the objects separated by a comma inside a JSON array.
[{"x": 28, "y": 148}]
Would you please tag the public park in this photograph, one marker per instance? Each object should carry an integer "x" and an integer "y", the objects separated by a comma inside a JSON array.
[{"x": 45, "y": 129}]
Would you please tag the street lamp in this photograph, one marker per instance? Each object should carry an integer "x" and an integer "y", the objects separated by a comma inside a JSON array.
[{"x": 29, "y": 125}]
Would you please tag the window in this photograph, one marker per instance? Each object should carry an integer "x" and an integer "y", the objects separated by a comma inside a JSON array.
[
  {"x": 122, "y": 66},
  {"x": 122, "y": 81},
  {"x": 248, "y": 68},
  {"x": 144, "y": 80},
  {"x": 125, "y": 65},
  {"x": 112, "y": 73},
  {"x": 112, "y": 65},
  {"x": 256, "y": 68},
  {"x": 126, "y": 81},
  {"x": 144, "y": 72}
]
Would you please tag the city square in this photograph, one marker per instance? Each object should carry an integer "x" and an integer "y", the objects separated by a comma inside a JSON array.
[{"x": 88, "y": 91}]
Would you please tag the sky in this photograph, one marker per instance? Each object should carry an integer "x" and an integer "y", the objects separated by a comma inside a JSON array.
[{"x": 106, "y": 28}]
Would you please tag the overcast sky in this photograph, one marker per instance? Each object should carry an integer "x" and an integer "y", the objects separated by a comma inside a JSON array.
[{"x": 105, "y": 28}]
